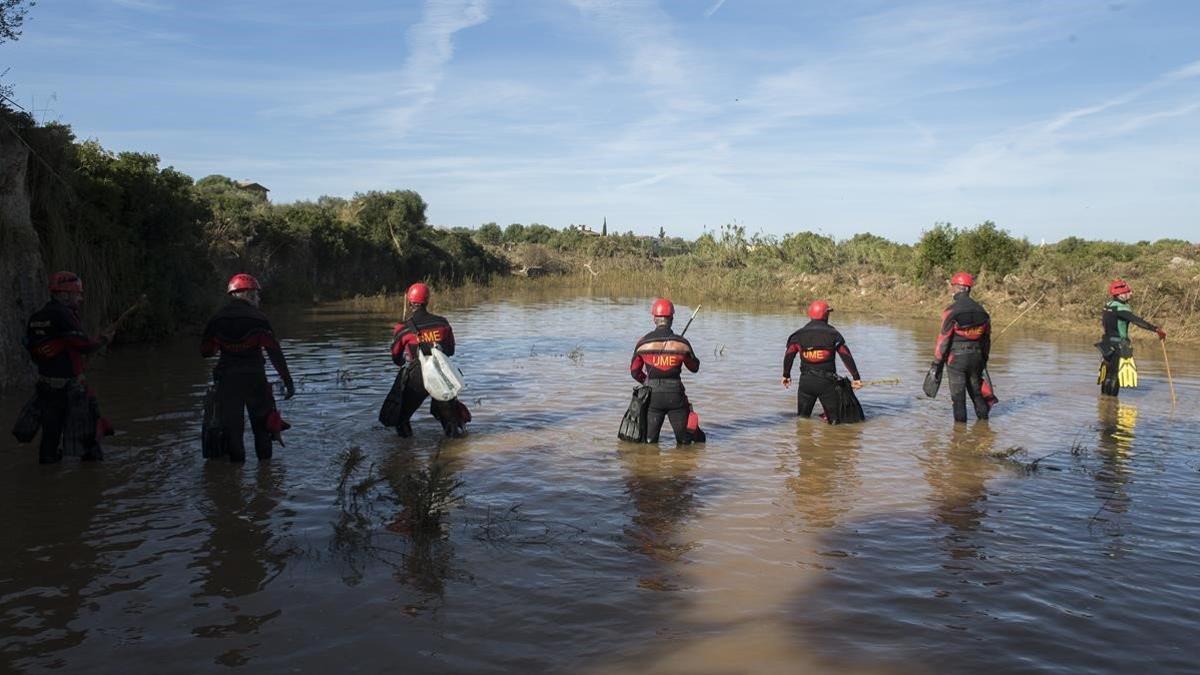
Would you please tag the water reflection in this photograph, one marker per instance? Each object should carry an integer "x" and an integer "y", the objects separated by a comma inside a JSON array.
[
  {"x": 957, "y": 470},
  {"x": 822, "y": 471},
  {"x": 1117, "y": 422},
  {"x": 241, "y": 554},
  {"x": 393, "y": 514},
  {"x": 661, "y": 485},
  {"x": 49, "y": 563}
]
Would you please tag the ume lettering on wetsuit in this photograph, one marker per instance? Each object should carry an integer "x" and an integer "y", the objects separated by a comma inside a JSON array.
[
  {"x": 661, "y": 354},
  {"x": 424, "y": 328},
  {"x": 816, "y": 344}
]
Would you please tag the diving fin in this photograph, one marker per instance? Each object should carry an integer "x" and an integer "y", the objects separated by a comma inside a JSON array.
[
  {"x": 1102, "y": 373},
  {"x": 933, "y": 379},
  {"x": 1127, "y": 373},
  {"x": 988, "y": 391},
  {"x": 633, "y": 424}
]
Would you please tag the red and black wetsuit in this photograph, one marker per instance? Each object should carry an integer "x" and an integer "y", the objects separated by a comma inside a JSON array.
[
  {"x": 964, "y": 344},
  {"x": 57, "y": 344},
  {"x": 423, "y": 331},
  {"x": 240, "y": 332},
  {"x": 658, "y": 360},
  {"x": 817, "y": 344}
]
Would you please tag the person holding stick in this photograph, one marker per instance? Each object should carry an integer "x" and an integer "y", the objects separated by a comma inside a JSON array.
[
  {"x": 66, "y": 408},
  {"x": 658, "y": 360},
  {"x": 1117, "y": 368},
  {"x": 817, "y": 344}
]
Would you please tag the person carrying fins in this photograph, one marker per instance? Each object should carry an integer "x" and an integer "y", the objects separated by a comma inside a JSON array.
[
  {"x": 1117, "y": 368},
  {"x": 817, "y": 343},
  {"x": 658, "y": 360},
  {"x": 963, "y": 346},
  {"x": 64, "y": 407},
  {"x": 238, "y": 334},
  {"x": 422, "y": 332}
]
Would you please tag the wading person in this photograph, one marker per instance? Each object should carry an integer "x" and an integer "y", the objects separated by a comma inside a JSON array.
[
  {"x": 66, "y": 406},
  {"x": 1117, "y": 368},
  {"x": 963, "y": 345},
  {"x": 658, "y": 359},
  {"x": 817, "y": 344},
  {"x": 240, "y": 332},
  {"x": 421, "y": 332}
]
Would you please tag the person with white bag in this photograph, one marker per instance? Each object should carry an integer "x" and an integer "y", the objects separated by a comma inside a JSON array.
[{"x": 420, "y": 345}]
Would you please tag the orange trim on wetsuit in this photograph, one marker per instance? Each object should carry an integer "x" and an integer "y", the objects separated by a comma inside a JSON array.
[
  {"x": 816, "y": 343},
  {"x": 963, "y": 321},
  {"x": 661, "y": 354},
  {"x": 240, "y": 333}
]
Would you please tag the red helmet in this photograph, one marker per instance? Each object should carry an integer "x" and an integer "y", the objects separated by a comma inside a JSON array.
[
  {"x": 242, "y": 282},
  {"x": 65, "y": 282},
  {"x": 962, "y": 279},
  {"x": 819, "y": 309},
  {"x": 662, "y": 307},
  {"x": 418, "y": 294},
  {"x": 1118, "y": 287}
]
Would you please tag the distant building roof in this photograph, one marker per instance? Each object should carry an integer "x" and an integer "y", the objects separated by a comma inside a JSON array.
[{"x": 251, "y": 185}]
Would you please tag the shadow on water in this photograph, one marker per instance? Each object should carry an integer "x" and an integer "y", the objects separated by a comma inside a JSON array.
[
  {"x": 661, "y": 486},
  {"x": 821, "y": 471}
]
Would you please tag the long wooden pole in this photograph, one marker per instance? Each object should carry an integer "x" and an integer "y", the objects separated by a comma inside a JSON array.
[
  {"x": 689, "y": 323},
  {"x": 1167, "y": 363},
  {"x": 1010, "y": 324}
]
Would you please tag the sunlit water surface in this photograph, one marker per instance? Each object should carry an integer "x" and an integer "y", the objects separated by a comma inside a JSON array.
[{"x": 1061, "y": 537}]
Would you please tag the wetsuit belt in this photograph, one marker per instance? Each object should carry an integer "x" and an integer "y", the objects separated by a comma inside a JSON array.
[
  {"x": 964, "y": 346},
  {"x": 58, "y": 382},
  {"x": 665, "y": 383},
  {"x": 832, "y": 376}
]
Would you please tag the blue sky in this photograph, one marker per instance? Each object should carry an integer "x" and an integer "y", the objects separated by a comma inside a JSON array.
[{"x": 1051, "y": 118}]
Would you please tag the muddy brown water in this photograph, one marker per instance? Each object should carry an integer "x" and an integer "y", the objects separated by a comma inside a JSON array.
[{"x": 1060, "y": 537}]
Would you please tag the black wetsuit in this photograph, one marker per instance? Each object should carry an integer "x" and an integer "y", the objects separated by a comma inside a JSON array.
[
  {"x": 658, "y": 359},
  {"x": 57, "y": 344},
  {"x": 817, "y": 343},
  {"x": 1115, "y": 344},
  {"x": 241, "y": 332},
  {"x": 964, "y": 344},
  {"x": 423, "y": 330}
]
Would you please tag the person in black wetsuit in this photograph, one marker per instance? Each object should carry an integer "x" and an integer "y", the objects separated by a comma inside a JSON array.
[
  {"x": 963, "y": 345},
  {"x": 817, "y": 343},
  {"x": 658, "y": 359},
  {"x": 1115, "y": 347},
  {"x": 422, "y": 331},
  {"x": 240, "y": 332},
  {"x": 57, "y": 344}
]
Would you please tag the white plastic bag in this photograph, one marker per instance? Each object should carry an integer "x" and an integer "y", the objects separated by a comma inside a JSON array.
[{"x": 442, "y": 380}]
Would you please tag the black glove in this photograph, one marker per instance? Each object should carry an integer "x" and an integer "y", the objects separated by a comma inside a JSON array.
[{"x": 289, "y": 390}]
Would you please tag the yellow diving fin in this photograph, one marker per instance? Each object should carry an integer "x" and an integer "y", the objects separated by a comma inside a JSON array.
[{"x": 1127, "y": 373}]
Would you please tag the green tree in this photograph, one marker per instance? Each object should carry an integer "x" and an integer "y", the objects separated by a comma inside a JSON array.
[
  {"x": 490, "y": 233},
  {"x": 985, "y": 246}
]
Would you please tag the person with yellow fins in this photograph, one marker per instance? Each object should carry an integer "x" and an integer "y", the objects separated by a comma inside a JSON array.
[{"x": 1117, "y": 368}]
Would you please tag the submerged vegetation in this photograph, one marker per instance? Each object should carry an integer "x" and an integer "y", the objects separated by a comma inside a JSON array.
[{"x": 130, "y": 226}]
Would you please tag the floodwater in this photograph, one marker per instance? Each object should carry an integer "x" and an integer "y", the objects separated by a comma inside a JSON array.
[{"x": 1061, "y": 537}]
